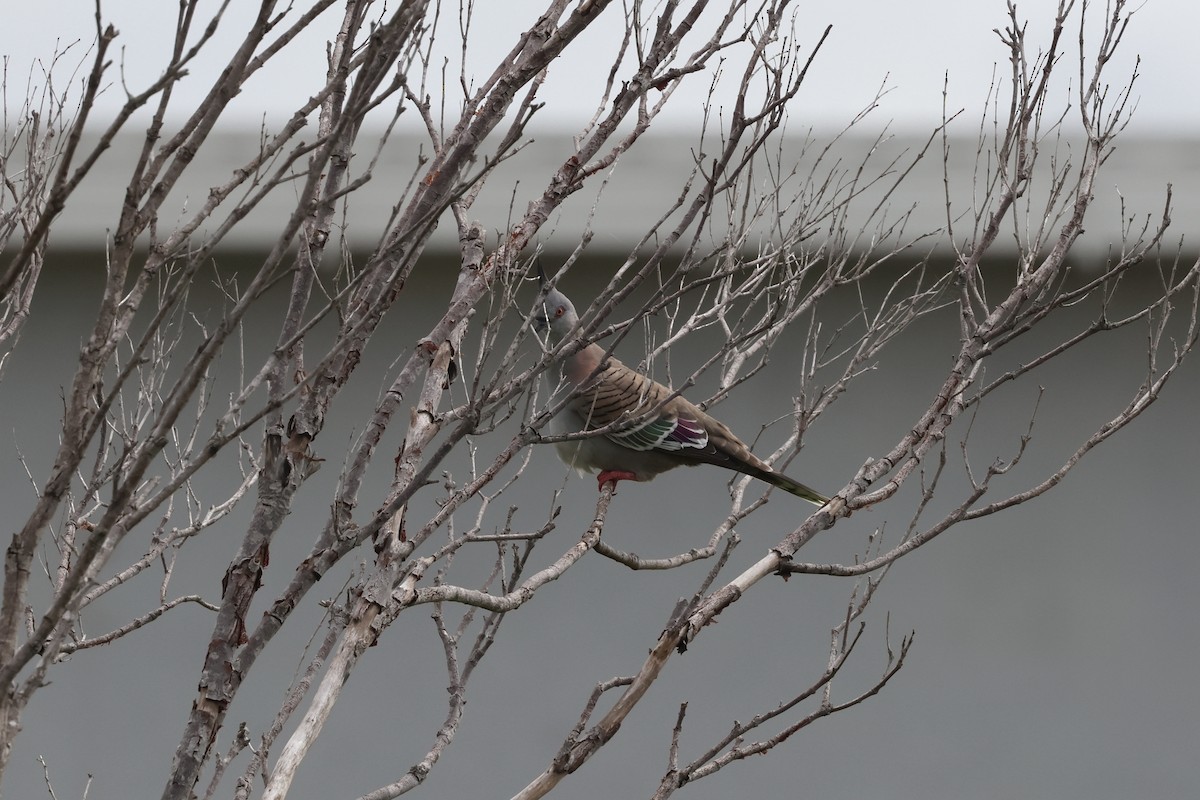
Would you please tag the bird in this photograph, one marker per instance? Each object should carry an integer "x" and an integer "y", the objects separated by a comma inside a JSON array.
[{"x": 665, "y": 430}]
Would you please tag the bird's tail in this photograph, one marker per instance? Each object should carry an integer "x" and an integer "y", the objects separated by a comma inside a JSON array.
[{"x": 781, "y": 481}]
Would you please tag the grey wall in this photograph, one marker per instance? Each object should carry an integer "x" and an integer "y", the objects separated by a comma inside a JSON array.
[
  {"x": 646, "y": 180},
  {"x": 1055, "y": 651}
]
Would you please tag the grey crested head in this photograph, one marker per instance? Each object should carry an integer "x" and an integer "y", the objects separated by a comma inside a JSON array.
[{"x": 556, "y": 314}]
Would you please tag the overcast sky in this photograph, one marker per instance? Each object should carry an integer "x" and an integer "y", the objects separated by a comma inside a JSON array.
[{"x": 911, "y": 46}]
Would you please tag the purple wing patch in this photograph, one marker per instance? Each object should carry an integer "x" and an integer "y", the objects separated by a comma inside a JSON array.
[
  {"x": 663, "y": 433},
  {"x": 687, "y": 433}
]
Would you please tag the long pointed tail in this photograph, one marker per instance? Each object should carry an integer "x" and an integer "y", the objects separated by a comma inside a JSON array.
[
  {"x": 747, "y": 463},
  {"x": 778, "y": 479}
]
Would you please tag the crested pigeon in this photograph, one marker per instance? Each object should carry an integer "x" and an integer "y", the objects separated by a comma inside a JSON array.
[{"x": 664, "y": 431}]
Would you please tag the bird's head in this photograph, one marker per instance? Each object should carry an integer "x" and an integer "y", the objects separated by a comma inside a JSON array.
[{"x": 556, "y": 315}]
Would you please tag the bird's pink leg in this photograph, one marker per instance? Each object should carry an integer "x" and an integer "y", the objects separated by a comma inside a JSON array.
[{"x": 614, "y": 475}]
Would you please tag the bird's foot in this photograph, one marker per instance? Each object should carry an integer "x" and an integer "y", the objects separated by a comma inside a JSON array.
[{"x": 613, "y": 475}]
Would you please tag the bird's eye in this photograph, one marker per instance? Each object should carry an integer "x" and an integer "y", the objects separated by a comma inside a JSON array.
[{"x": 558, "y": 312}]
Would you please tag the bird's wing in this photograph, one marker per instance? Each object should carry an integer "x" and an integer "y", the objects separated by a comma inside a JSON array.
[
  {"x": 659, "y": 432},
  {"x": 659, "y": 422}
]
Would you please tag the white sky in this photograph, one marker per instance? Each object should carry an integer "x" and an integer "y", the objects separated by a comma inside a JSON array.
[{"x": 910, "y": 44}]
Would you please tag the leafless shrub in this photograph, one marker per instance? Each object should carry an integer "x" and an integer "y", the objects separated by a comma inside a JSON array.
[{"x": 753, "y": 246}]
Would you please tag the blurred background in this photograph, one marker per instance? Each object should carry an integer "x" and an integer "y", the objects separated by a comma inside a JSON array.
[{"x": 1055, "y": 645}]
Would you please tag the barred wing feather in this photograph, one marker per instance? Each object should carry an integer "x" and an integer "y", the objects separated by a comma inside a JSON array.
[{"x": 663, "y": 433}]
